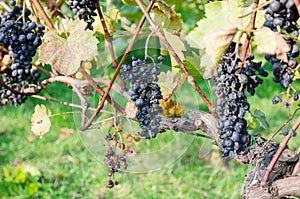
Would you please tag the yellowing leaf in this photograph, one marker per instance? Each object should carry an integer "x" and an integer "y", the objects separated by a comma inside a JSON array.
[
  {"x": 40, "y": 122},
  {"x": 269, "y": 42},
  {"x": 64, "y": 52}
]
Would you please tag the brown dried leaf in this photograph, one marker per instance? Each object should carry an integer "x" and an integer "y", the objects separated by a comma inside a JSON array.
[{"x": 130, "y": 110}]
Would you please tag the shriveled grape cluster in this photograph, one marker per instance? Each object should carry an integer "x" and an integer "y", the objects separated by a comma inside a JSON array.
[
  {"x": 84, "y": 9},
  {"x": 21, "y": 37},
  {"x": 232, "y": 79},
  {"x": 282, "y": 15},
  {"x": 145, "y": 93},
  {"x": 114, "y": 161}
]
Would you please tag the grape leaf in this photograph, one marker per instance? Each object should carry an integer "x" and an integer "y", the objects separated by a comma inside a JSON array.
[
  {"x": 40, "y": 122},
  {"x": 111, "y": 18},
  {"x": 217, "y": 42},
  {"x": 215, "y": 32},
  {"x": 176, "y": 43},
  {"x": 269, "y": 42},
  {"x": 64, "y": 52},
  {"x": 261, "y": 118},
  {"x": 167, "y": 18},
  {"x": 170, "y": 80}
]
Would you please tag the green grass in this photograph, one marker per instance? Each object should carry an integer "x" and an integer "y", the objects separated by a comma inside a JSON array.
[{"x": 71, "y": 166}]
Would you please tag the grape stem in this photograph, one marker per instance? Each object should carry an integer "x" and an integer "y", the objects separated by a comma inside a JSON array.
[
  {"x": 37, "y": 4},
  {"x": 282, "y": 146},
  {"x": 190, "y": 78},
  {"x": 249, "y": 36},
  {"x": 128, "y": 50}
]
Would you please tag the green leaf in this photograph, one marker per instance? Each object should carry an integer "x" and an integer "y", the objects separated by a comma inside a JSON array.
[
  {"x": 64, "y": 52},
  {"x": 261, "y": 117},
  {"x": 40, "y": 122}
]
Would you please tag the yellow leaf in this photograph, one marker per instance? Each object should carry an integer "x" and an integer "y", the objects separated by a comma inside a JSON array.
[{"x": 40, "y": 122}]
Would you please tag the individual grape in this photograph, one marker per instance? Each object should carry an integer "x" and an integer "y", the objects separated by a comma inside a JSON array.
[
  {"x": 84, "y": 9},
  {"x": 145, "y": 93},
  {"x": 295, "y": 96},
  {"x": 276, "y": 99},
  {"x": 231, "y": 83}
]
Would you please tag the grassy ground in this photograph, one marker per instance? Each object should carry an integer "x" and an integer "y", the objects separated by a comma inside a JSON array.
[{"x": 64, "y": 165}]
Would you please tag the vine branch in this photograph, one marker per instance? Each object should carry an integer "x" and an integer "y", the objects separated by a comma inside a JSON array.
[{"x": 37, "y": 4}]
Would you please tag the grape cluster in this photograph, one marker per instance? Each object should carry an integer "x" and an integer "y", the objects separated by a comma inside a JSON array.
[
  {"x": 114, "y": 161},
  {"x": 84, "y": 9},
  {"x": 145, "y": 93},
  {"x": 232, "y": 79},
  {"x": 281, "y": 15},
  {"x": 21, "y": 37}
]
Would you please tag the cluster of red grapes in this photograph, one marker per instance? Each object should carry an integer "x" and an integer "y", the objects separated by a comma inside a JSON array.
[
  {"x": 233, "y": 78},
  {"x": 282, "y": 16},
  {"x": 145, "y": 93},
  {"x": 21, "y": 37},
  {"x": 84, "y": 9}
]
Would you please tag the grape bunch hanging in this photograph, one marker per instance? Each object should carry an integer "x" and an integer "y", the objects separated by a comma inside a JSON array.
[
  {"x": 232, "y": 80},
  {"x": 21, "y": 37},
  {"x": 145, "y": 93},
  {"x": 282, "y": 15},
  {"x": 84, "y": 9}
]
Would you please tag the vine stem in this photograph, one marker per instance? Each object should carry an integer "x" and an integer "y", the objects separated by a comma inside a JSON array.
[
  {"x": 43, "y": 13},
  {"x": 60, "y": 102},
  {"x": 190, "y": 78},
  {"x": 108, "y": 40},
  {"x": 282, "y": 146},
  {"x": 128, "y": 50},
  {"x": 99, "y": 90},
  {"x": 249, "y": 36}
]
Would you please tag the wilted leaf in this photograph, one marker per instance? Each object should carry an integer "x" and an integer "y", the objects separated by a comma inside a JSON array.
[
  {"x": 176, "y": 43},
  {"x": 269, "y": 42},
  {"x": 217, "y": 42},
  {"x": 40, "y": 122},
  {"x": 65, "y": 52}
]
